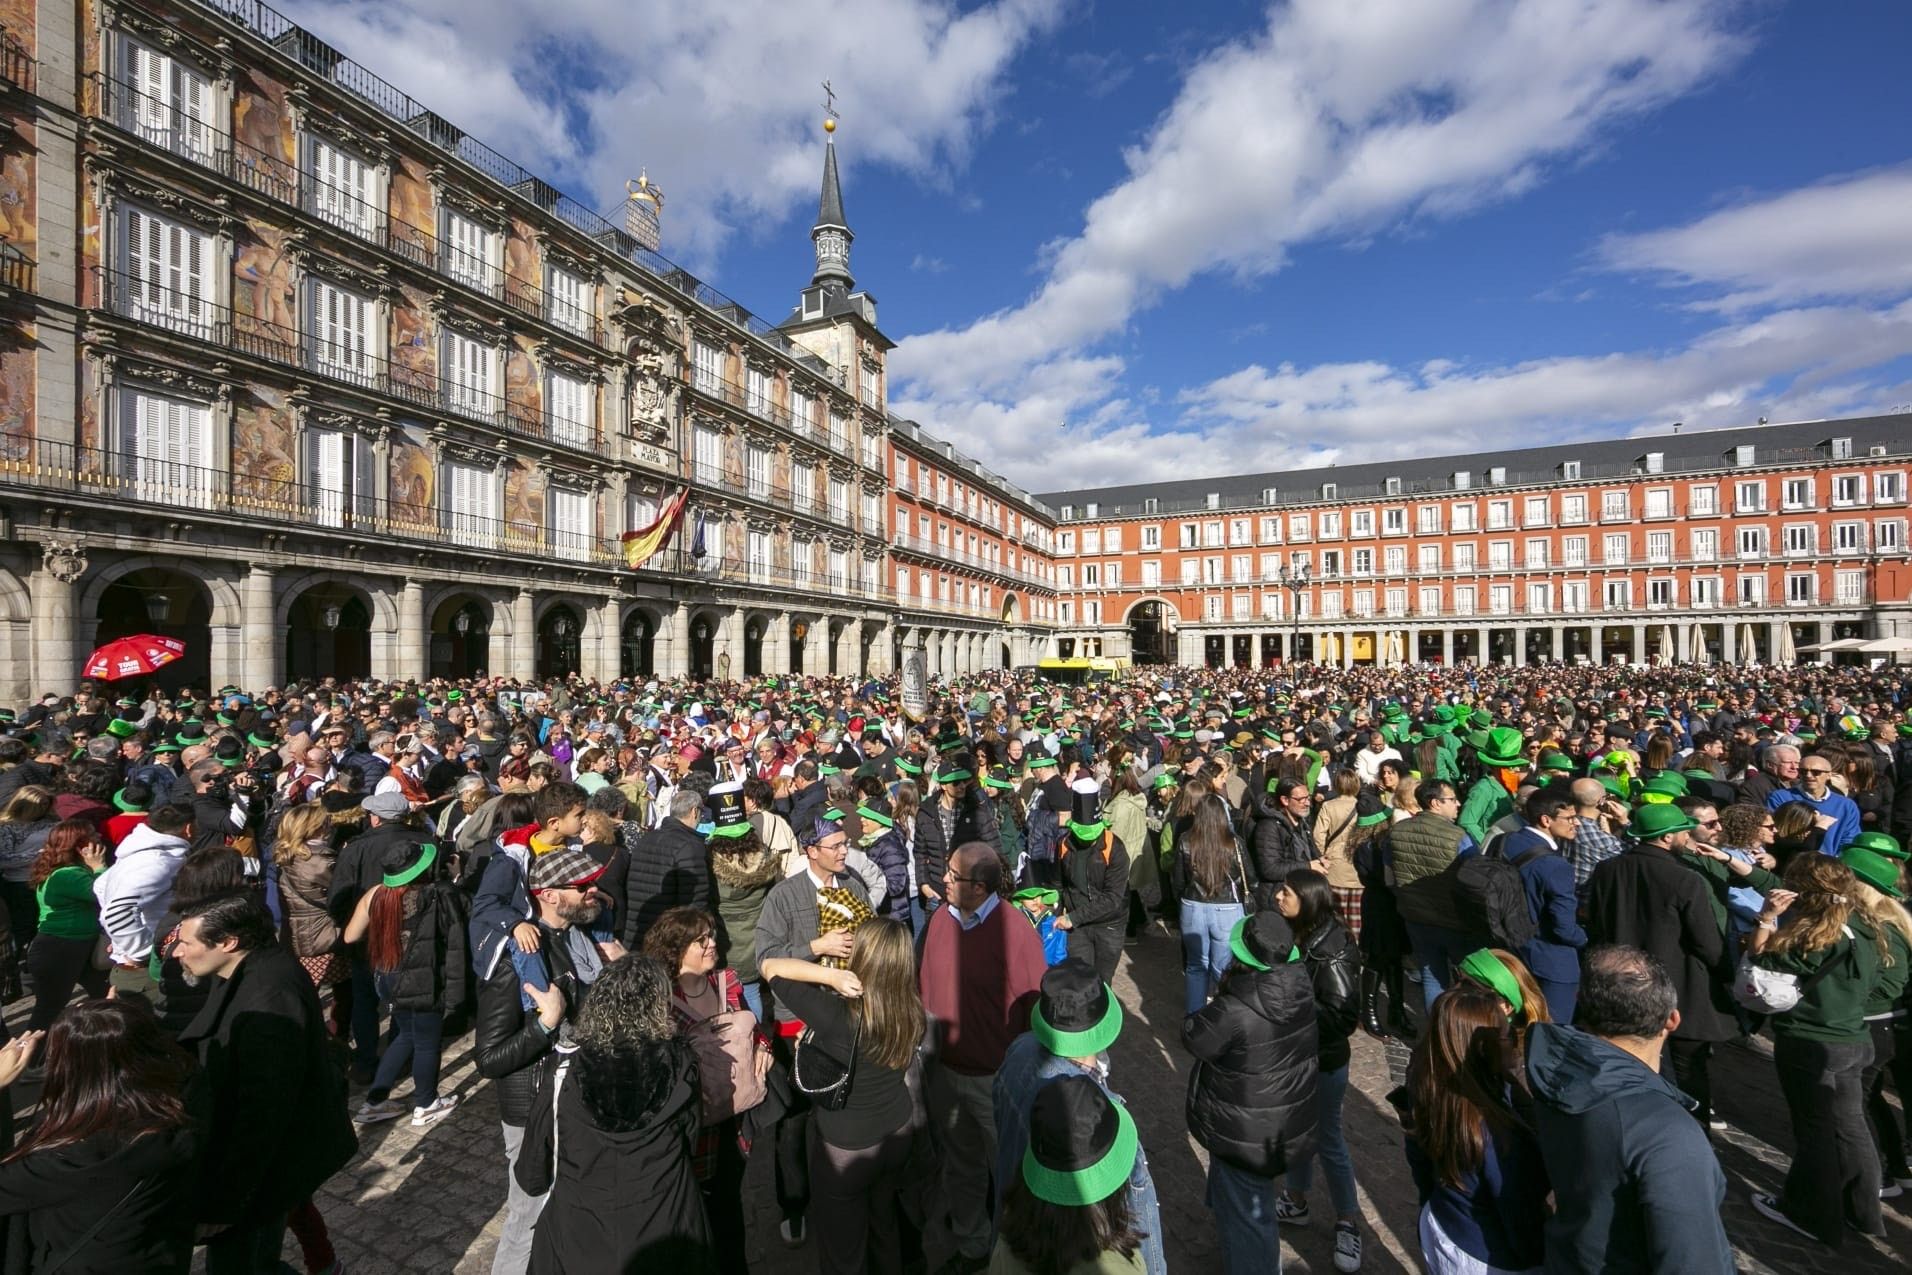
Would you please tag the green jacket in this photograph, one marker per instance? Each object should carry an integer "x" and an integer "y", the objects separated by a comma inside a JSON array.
[
  {"x": 1833, "y": 1010},
  {"x": 1892, "y": 979},
  {"x": 1720, "y": 878},
  {"x": 1487, "y": 804},
  {"x": 68, "y": 909},
  {"x": 1420, "y": 849}
]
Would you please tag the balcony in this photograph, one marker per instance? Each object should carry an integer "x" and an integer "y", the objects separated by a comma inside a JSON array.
[
  {"x": 201, "y": 321},
  {"x": 198, "y": 142}
]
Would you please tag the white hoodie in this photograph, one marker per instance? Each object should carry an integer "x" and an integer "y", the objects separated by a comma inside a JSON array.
[{"x": 136, "y": 891}]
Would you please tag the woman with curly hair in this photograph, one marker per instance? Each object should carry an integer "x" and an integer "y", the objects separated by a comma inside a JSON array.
[
  {"x": 61, "y": 953},
  {"x": 623, "y": 1106}
]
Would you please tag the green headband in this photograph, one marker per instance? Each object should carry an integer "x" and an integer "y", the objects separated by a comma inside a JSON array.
[
  {"x": 398, "y": 880},
  {"x": 1484, "y": 967}
]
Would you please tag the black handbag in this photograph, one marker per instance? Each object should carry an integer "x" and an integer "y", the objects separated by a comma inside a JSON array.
[{"x": 821, "y": 1078}]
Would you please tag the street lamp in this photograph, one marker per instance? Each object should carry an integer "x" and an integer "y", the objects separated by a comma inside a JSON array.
[
  {"x": 461, "y": 623},
  {"x": 702, "y": 631},
  {"x": 332, "y": 614},
  {"x": 1294, "y": 580},
  {"x": 562, "y": 627},
  {"x": 157, "y": 604}
]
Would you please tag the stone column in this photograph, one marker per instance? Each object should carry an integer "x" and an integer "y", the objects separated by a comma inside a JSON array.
[
  {"x": 1639, "y": 644},
  {"x": 1775, "y": 634},
  {"x": 413, "y": 656},
  {"x": 263, "y": 645},
  {"x": 1681, "y": 635},
  {"x": 1823, "y": 656},
  {"x": 1520, "y": 645},
  {"x": 1447, "y": 647},
  {"x": 610, "y": 643},
  {"x": 850, "y": 658},
  {"x": 882, "y": 651},
  {"x": 524, "y": 635},
  {"x": 670, "y": 649},
  {"x": 1594, "y": 651},
  {"x": 729, "y": 640},
  {"x": 776, "y": 646},
  {"x": 56, "y": 653},
  {"x": 1347, "y": 648},
  {"x": 1559, "y": 643},
  {"x": 1485, "y": 653}
]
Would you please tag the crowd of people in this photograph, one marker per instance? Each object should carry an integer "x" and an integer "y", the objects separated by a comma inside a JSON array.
[{"x": 686, "y": 924}]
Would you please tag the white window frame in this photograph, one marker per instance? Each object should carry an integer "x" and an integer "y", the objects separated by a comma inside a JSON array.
[
  {"x": 346, "y": 189},
  {"x": 166, "y": 447},
  {"x": 570, "y": 405},
  {"x": 173, "y": 105},
  {"x": 344, "y": 331},
  {"x": 570, "y": 542},
  {"x": 469, "y": 374},
  {"x": 469, "y": 504},
  {"x": 171, "y": 273},
  {"x": 469, "y": 250}
]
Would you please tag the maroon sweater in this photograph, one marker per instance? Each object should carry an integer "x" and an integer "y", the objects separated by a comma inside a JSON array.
[{"x": 979, "y": 985}]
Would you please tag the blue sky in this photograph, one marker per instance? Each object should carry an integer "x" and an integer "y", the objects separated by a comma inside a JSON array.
[{"x": 1119, "y": 240}]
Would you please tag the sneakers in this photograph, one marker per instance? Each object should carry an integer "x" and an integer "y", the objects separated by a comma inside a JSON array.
[
  {"x": 1767, "y": 1206},
  {"x": 1716, "y": 1123},
  {"x": 1291, "y": 1211},
  {"x": 375, "y": 1112},
  {"x": 793, "y": 1232},
  {"x": 424, "y": 1117},
  {"x": 1891, "y": 1190},
  {"x": 1347, "y": 1247}
]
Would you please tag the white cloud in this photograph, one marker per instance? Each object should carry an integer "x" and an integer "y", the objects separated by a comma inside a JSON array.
[
  {"x": 1794, "y": 364},
  {"x": 721, "y": 102},
  {"x": 1847, "y": 237},
  {"x": 1334, "y": 120}
]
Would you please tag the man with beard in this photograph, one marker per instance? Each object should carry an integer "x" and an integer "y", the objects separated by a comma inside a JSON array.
[{"x": 518, "y": 1024}]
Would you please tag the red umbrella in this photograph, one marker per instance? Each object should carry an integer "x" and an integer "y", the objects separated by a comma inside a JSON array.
[{"x": 132, "y": 656}]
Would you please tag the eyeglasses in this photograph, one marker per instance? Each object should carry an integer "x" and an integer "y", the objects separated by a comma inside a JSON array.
[
  {"x": 1709, "y": 823},
  {"x": 953, "y": 879},
  {"x": 1817, "y": 770},
  {"x": 1768, "y": 827}
]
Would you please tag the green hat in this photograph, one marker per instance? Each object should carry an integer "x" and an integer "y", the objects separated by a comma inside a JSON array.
[
  {"x": 1616, "y": 786},
  {"x": 995, "y": 779},
  {"x": 876, "y": 817},
  {"x": 1502, "y": 748},
  {"x": 1082, "y": 1144},
  {"x": 1077, "y": 1014},
  {"x": 1651, "y": 822},
  {"x": 1164, "y": 780},
  {"x": 1040, "y": 761},
  {"x": 1663, "y": 788},
  {"x": 1557, "y": 762},
  {"x": 261, "y": 741},
  {"x": 1444, "y": 714},
  {"x": 1879, "y": 871},
  {"x": 954, "y": 776},
  {"x": 1877, "y": 843},
  {"x": 166, "y": 746},
  {"x": 131, "y": 808},
  {"x": 907, "y": 766},
  {"x": 1039, "y": 893},
  {"x": 1270, "y": 931},
  {"x": 825, "y": 768},
  {"x": 1484, "y": 967},
  {"x": 120, "y": 728},
  {"x": 191, "y": 731},
  {"x": 427, "y": 855},
  {"x": 1394, "y": 712}
]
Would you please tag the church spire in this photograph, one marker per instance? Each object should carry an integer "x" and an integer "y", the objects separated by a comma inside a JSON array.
[{"x": 831, "y": 234}]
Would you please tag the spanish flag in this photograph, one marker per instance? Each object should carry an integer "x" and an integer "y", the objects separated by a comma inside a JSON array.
[{"x": 641, "y": 544}]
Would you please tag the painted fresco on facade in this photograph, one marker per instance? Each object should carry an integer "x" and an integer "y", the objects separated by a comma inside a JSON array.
[
  {"x": 524, "y": 502},
  {"x": 413, "y": 488},
  {"x": 16, "y": 397},
  {"x": 264, "y": 468},
  {"x": 265, "y": 292}
]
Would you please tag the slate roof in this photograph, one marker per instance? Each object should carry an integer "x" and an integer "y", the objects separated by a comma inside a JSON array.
[{"x": 1608, "y": 458}]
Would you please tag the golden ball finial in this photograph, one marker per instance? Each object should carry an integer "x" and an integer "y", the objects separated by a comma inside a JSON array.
[{"x": 829, "y": 126}]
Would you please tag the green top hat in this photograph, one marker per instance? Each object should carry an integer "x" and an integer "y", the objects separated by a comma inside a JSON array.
[
  {"x": 1037, "y": 894},
  {"x": 1879, "y": 871},
  {"x": 1877, "y": 843},
  {"x": 130, "y": 807},
  {"x": 1077, "y": 1016},
  {"x": 1652, "y": 822},
  {"x": 1663, "y": 788},
  {"x": 120, "y": 728},
  {"x": 1082, "y": 1144},
  {"x": 1502, "y": 748},
  {"x": 1559, "y": 763}
]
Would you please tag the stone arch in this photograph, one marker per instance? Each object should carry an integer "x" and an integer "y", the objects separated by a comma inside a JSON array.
[
  {"x": 462, "y": 654},
  {"x": 382, "y": 601},
  {"x": 640, "y": 630},
  {"x": 228, "y": 609},
  {"x": 436, "y": 611},
  {"x": 1129, "y": 612},
  {"x": 214, "y": 650},
  {"x": 353, "y": 648},
  {"x": 704, "y": 626},
  {"x": 16, "y": 639}
]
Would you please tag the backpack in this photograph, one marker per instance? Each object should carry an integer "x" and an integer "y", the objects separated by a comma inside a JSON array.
[{"x": 1490, "y": 900}]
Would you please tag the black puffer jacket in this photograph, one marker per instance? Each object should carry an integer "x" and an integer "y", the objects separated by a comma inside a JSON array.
[
  {"x": 975, "y": 821},
  {"x": 508, "y": 1043},
  {"x": 1280, "y": 844},
  {"x": 670, "y": 868},
  {"x": 1335, "y": 968},
  {"x": 435, "y": 970},
  {"x": 623, "y": 1197},
  {"x": 1251, "y": 1098},
  {"x": 1095, "y": 890}
]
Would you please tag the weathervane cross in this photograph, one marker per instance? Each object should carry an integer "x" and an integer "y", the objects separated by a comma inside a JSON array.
[{"x": 829, "y": 101}]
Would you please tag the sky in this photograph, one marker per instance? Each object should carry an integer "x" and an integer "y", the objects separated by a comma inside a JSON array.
[{"x": 1118, "y": 241}]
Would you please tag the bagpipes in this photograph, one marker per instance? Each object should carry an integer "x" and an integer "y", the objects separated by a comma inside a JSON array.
[{"x": 839, "y": 909}]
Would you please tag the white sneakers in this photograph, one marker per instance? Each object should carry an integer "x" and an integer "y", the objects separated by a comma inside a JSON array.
[
  {"x": 1347, "y": 1247},
  {"x": 423, "y": 1117}
]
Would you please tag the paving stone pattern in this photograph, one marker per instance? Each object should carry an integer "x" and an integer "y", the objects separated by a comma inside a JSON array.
[{"x": 433, "y": 1200}]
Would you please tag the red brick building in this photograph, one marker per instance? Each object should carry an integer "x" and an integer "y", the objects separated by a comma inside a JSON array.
[{"x": 1731, "y": 545}]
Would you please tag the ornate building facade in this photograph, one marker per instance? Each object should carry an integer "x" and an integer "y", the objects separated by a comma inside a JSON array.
[
  {"x": 295, "y": 370},
  {"x": 1735, "y": 545}
]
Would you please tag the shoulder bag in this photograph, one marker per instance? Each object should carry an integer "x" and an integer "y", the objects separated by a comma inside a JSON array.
[
  {"x": 821, "y": 1078},
  {"x": 1766, "y": 991}
]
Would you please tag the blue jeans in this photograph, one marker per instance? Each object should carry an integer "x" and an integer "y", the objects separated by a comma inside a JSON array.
[
  {"x": 921, "y": 910},
  {"x": 1205, "y": 953},
  {"x": 1437, "y": 949},
  {"x": 753, "y": 997},
  {"x": 417, "y": 1037},
  {"x": 1332, "y": 1145},
  {"x": 1244, "y": 1207}
]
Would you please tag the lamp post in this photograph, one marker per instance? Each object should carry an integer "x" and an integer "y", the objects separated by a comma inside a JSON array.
[
  {"x": 157, "y": 605},
  {"x": 1294, "y": 581},
  {"x": 332, "y": 616}
]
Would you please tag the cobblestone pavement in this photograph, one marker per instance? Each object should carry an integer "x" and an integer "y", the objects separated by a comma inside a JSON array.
[{"x": 433, "y": 1202}]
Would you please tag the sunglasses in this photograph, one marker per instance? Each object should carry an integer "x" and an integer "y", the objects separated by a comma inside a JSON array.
[{"x": 1818, "y": 770}]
